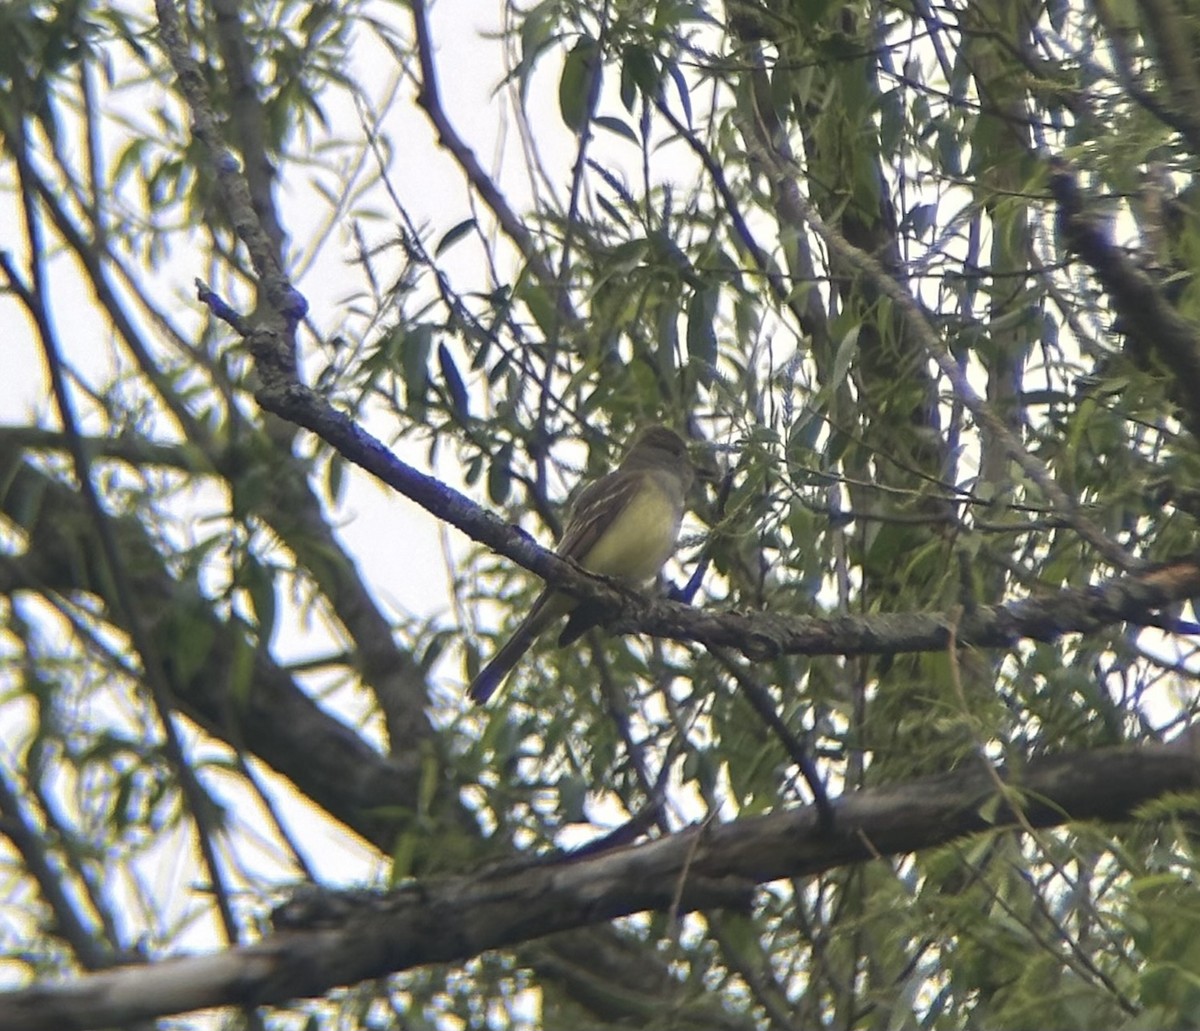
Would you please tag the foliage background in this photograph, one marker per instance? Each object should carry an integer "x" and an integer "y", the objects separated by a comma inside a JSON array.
[{"x": 819, "y": 236}]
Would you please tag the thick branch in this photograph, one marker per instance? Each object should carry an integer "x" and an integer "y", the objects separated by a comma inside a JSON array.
[
  {"x": 360, "y": 937},
  {"x": 761, "y": 635},
  {"x": 294, "y": 512},
  {"x": 326, "y": 760}
]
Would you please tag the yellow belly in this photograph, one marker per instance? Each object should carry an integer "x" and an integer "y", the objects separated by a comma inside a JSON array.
[{"x": 639, "y": 541}]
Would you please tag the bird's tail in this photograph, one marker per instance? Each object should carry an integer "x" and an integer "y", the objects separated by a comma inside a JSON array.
[{"x": 492, "y": 676}]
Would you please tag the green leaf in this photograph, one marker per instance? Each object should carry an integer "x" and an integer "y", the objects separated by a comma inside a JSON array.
[
  {"x": 128, "y": 160},
  {"x": 187, "y": 635},
  {"x": 811, "y": 12},
  {"x": 537, "y": 299},
  {"x": 611, "y": 210},
  {"x": 414, "y": 357},
  {"x": 702, "y": 333},
  {"x": 452, "y": 236},
  {"x": 499, "y": 480},
  {"x": 681, "y": 87},
  {"x": 241, "y": 671},
  {"x": 667, "y": 337},
  {"x": 453, "y": 382},
  {"x": 335, "y": 478},
  {"x": 580, "y": 69},
  {"x": 258, "y": 580},
  {"x": 537, "y": 33},
  {"x": 617, "y": 127},
  {"x": 572, "y": 795},
  {"x": 846, "y": 353},
  {"x": 639, "y": 74},
  {"x": 472, "y": 471},
  {"x": 404, "y": 853},
  {"x": 891, "y": 122},
  {"x": 434, "y": 651}
]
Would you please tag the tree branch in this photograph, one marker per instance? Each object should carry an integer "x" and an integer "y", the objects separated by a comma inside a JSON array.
[
  {"x": 1135, "y": 599},
  {"x": 429, "y": 98},
  {"x": 1146, "y": 315},
  {"x": 273, "y": 338},
  {"x": 343, "y": 939},
  {"x": 1172, "y": 27},
  {"x": 276, "y": 720}
]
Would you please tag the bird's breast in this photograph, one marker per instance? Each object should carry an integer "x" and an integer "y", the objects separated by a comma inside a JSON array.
[{"x": 640, "y": 539}]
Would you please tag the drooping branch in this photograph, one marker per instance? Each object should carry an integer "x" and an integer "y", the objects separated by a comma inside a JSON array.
[
  {"x": 1172, "y": 28},
  {"x": 330, "y": 940},
  {"x": 1146, "y": 314},
  {"x": 430, "y": 100},
  {"x": 785, "y": 176}
]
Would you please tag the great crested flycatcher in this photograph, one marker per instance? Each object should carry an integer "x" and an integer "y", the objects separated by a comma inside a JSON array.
[{"x": 624, "y": 525}]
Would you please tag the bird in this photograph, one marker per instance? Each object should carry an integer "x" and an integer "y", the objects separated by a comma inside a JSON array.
[{"x": 624, "y": 526}]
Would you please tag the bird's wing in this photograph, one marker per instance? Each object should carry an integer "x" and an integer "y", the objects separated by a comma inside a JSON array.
[{"x": 598, "y": 506}]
